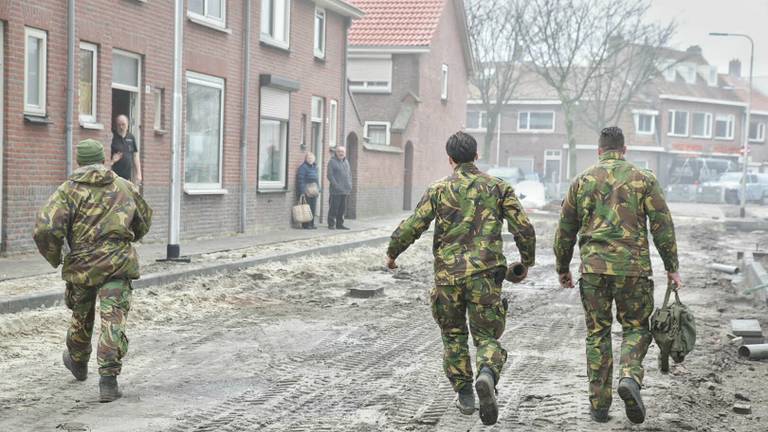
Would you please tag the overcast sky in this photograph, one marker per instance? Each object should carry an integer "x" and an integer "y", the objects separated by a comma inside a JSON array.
[{"x": 696, "y": 18}]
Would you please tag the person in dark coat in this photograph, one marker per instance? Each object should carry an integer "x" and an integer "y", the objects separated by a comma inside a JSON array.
[
  {"x": 340, "y": 177},
  {"x": 309, "y": 186}
]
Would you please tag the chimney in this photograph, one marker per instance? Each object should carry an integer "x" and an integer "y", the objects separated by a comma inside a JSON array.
[
  {"x": 693, "y": 50},
  {"x": 734, "y": 68}
]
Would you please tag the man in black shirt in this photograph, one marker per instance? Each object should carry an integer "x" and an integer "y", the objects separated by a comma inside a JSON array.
[{"x": 125, "y": 155}]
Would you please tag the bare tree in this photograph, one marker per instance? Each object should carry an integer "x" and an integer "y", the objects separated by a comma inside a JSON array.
[
  {"x": 571, "y": 44},
  {"x": 495, "y": 37}
]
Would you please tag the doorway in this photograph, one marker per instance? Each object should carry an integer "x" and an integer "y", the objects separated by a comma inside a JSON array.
[
  {"x": 353, "y": 153},
  {"x": 408, "y": 178},
  {"x": 126, "y": 94}
]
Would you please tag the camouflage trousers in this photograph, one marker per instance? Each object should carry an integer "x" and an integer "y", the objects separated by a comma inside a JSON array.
[
  {"x": 114, "y": 304},
  {"x": 634, "y": 305},
  {"x": 480, "y": 299}
]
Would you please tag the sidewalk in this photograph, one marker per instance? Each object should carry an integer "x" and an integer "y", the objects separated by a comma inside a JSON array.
[{"x": 28, "y": 265}]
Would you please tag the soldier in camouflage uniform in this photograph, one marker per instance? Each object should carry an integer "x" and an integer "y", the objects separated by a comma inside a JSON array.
[
  {"x": 98, "y": 215},
  {"x": 610, "y": 206},
  {"x": 469, "y": 208}
]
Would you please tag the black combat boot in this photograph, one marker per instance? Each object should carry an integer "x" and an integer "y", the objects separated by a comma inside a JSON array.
[
  {"x": 485, "y": 385},
  {"x": 79, "y": 370},
  {"x": 465, "y": 400},
  {"x": 599, "y": 415},
  {"x": 629, "y": 391},
  {"x": 108, "y": 389}
]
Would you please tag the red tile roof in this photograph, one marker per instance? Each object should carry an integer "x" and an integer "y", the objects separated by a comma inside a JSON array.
[{"x": 389, "y": 23}]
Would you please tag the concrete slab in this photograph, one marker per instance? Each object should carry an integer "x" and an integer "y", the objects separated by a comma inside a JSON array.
[{"x": 746, "y": 328}]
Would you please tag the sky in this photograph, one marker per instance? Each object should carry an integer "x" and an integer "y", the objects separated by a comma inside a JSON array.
[{"x": 696, "y": 18}]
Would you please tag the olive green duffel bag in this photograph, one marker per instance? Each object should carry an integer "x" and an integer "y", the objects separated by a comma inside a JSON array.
[{"x": 674, "y": 330}]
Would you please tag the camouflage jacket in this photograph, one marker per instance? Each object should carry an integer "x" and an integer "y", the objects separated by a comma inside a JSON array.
[
  {"x": 608, "y": 206},
  {"x": 99, "y": 214},
  {"x": 470, "y": 208}
]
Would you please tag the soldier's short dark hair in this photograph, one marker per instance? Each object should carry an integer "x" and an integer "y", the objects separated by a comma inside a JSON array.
[
  {"x": 611, "y": 138},
  {"x": 461, "y": 147}
]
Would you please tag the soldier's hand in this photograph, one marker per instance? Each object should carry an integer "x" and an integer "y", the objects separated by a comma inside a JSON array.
[
  {"x": 391, "y": 264},
  {"x": 566, "y": 280},
  {"x": 675, "y": 279},
  {"x": 116, "y": 157}
]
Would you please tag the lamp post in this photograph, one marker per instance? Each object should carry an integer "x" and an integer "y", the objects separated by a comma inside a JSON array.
[{"x": 743, "y": 209}]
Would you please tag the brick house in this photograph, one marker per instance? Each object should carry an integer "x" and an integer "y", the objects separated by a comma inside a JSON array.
[
  {"x": 124, "y": 65},
  {"x": 687, "y": 112},
  {"x": 409, "y": 61}
]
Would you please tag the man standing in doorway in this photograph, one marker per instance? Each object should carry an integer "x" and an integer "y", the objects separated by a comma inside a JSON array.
[
  {"x": 125, "y": 154},
  {"x": 340, "y": 177},
  {"x": 98, "y": 215},
  {"x": 469, "y": 209},
  {"x": 610, "y": 207}
]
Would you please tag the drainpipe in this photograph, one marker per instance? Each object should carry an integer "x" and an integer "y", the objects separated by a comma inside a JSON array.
[
  {"x": 173, "y": 249},
  {"x": 244, "y": 121},
  {"x": 71, "y": 37}
]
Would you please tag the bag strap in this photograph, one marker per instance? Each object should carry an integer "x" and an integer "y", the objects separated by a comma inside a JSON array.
[
  {"x": 670, "y": 288},
  {"x": 302, "y": 199}
]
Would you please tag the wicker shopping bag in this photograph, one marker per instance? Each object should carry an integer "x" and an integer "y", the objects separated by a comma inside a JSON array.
[{"x": 301, "y": 212}]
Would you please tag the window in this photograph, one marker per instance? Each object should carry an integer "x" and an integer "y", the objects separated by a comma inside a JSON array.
[
  {"x": 678, "y": 123},
  {"x": 688, "y": 72},
  {"x": 370, "y": 75},
  {"x": 668, "y": 70},
  {"x": 701, "y": 125},
  {"x": 377, "y": 133},
  {"x": 477, "y": 120},
  {"x": 35, "y": 71},
  {"x": 444, "y": 83},
  {"x": 273, "y": 139},
  {"x": 757, "y": 131},
  {"x": 645, "y": 124},
  {"x": 88, "y": 86},
  {"x": 209, "y": 11},
  {"x": 333, "y": 123},
  {"x": 276, "y": 22},
  {"x": 533, "y": 121},
  {"x": 724, "y": 126},
  {"x": 125, "y": 71},
  {"x": 159, "y": 123},
  {"x": 319, "y": 33},
  {"x": 205, "y": 119}
]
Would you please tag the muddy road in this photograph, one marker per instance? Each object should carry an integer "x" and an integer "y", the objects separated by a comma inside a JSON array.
[{"x": 283, "y": 348}]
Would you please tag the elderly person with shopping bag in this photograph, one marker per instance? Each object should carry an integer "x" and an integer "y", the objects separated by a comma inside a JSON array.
[{"x": 309, "y": 186}]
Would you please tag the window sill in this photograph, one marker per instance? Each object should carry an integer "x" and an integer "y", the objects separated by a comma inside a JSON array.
[
  {"x": 192, "y": 191},
  {"x": 274, "y": 190},
  {"x": 382, "y": 148},
  {"x": 723, "y": 139},
  {"x": 320, "y": 58},
  {"x": 762, "y": 141},
  {"x": 370, "y": 91},
  {"x": 476, "y": 130},
  {"x": 645, "y": 133},
  {"x": 286, "y": 48},
  {"x": 208, "y": 23},
  {"x": 36, "y": 119},
  {"x": 160, "y": 132},
  {"x": 677, "y": 135},
  {"x": 701, "y": 137},
  {"x": 535, "y": 132},
  {"x": 91, "y": 126}
]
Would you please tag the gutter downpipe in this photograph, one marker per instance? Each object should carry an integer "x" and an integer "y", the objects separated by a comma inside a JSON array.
[
  {"x": 244, "y": 121},
  {"x": 173, "y": 249},
  {"x": 69, "y": 132}
]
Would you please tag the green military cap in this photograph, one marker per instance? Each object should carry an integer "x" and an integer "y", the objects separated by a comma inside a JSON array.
[{"x": 90, "y": 152}]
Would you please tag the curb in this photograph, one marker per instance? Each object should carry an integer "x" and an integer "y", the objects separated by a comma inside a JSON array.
[{"x": 53, "y": 298}]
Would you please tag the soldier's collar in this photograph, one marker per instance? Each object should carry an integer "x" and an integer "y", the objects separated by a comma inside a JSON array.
[
  {"x": 612, "y": 155},
  {"x": 467, "y": 167}
]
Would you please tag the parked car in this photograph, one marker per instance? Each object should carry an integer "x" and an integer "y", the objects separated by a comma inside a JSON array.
[
  {"x": 730, "y": 187},
  {"x": 529, "y": 189}
]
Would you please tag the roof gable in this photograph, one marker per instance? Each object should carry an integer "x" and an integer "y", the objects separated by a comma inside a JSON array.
[{"x": 396, "y": 23}]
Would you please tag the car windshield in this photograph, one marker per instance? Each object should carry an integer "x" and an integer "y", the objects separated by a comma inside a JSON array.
[{"x": 731, "y": 177}]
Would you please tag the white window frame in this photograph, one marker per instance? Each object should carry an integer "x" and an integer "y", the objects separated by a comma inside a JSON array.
[
  {"x": 91, "y": 118},
  {"x": 379, "y": 123},
  {"x": 481, "y": 114},
  {"x": 36, "y": 110},
  {"x": 760, "y": 132},
  {"x": 731, "y": 119},
  {"x": 159, "y": 100},
  {"x": 266, "y": 36},
  {"x": 528, "y": 127},
  {"x": 207, "y": 19},
  {"x": 219, "y": 84},
  {"x": 134, "y": 89},
  {"x": 365, "y": 86},
  {"x": 444, "y": 83},
  {"x": 333, "y": 123},
  {"x": 269, "y": 186},
  {"x": 672, "y": 124},
  {"x": 637, "y": 124},
  {"x": 709, "y": 124},
  {"x": 320, "y": 51}
]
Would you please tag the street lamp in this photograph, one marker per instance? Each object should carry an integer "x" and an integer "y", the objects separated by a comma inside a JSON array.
[{"x": 743, "y": 209}]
